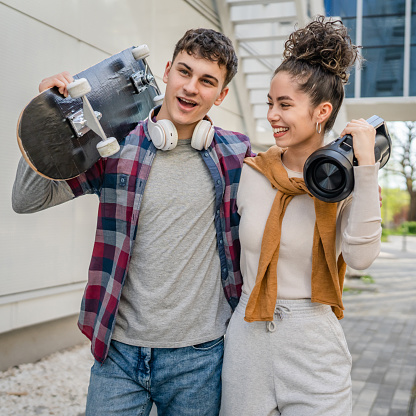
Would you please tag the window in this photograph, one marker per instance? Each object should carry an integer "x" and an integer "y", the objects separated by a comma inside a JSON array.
[
  {"x": 382, "y": 74},
  {"x": 412, "y": 81},
  {"x": 347, "y": 11},
  {"x": 383, "y": 51},
  {"x": 383, "y": 32},
  {"x": 341, "y": 8},
  {"x": 384, "y": 7}
]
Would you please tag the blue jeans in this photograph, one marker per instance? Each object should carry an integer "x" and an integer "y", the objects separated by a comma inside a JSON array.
[{"x": 180, "y": 381}]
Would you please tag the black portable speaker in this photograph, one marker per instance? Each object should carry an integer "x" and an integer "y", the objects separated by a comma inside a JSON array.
[{"x": 328, "y": 172}]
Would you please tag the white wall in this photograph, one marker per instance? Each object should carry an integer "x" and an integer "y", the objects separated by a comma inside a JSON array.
[{"x": 44, "y": 257}]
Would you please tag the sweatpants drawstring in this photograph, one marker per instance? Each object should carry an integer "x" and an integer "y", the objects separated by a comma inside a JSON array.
[
  {"x": 271, "y": 326},
  {"x": 280, "y": 311}
]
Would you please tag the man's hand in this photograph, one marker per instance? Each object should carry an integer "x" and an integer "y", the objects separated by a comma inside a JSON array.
[
  {"x": 379, "y": 196},
  {"x": 60, "y": 80}
]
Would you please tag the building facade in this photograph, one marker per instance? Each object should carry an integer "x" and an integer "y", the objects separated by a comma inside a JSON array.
[{"x": 386, "y": 82}]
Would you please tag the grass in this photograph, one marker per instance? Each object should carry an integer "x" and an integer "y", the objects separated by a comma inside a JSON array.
[
  {"x": 352, "y": 291},
  {"x": 367, "y": 279}
]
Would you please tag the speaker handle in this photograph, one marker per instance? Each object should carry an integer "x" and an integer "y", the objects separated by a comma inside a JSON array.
[
  {"x": 382, "y": 149},
  {"x": 383, "y": 143}
]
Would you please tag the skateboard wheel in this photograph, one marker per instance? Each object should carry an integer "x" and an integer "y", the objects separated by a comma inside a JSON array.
[
  {"x": 140, "y": 52},
  {"x": 108, "y": 147},
  {"x": 158, "y": 99},
  {"x": 79, "y": 88}
]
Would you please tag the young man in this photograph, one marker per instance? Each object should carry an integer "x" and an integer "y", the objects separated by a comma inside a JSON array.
[{"x": 164, "y": 275}]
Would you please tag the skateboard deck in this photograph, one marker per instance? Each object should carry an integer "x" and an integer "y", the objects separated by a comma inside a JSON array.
[{"x": 51, "y": 131}]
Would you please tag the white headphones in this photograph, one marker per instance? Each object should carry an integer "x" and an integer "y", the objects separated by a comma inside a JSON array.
[{"x": 165, "y": 137}]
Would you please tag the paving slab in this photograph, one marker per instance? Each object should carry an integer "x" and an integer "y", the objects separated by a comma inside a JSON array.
[{"x": 380, "y": 327}]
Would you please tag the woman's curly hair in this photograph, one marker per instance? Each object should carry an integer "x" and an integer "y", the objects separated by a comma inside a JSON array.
[{"x": 320, "y": 57}]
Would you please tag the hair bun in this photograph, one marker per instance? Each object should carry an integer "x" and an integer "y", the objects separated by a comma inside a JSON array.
[{"x": 323, "y": 43}]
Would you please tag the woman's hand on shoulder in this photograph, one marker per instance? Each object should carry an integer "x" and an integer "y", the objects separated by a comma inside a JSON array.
[{"x": 364, "y": 135}]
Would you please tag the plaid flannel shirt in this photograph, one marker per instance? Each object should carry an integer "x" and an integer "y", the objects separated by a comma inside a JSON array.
[{"x": 119, "y": 182}]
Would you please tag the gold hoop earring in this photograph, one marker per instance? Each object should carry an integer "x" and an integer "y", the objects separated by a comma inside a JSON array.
[{"x": 318, "y": 127}]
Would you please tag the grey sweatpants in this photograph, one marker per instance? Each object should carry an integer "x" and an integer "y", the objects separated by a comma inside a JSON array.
[{"x": 297, "y": 365}]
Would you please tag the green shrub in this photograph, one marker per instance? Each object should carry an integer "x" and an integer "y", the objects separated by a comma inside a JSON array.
[{"x": 408, "y": 227}]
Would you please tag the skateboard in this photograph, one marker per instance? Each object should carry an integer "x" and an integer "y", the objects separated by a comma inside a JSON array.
[{"x": 62, "y": 137}]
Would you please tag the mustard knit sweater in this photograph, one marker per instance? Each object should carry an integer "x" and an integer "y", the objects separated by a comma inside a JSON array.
[{"x": 358, "y": 230}]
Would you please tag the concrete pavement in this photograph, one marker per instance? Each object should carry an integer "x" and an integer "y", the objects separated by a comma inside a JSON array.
[
  {"x": 379, "y": 323},
  {"x": 380, "y": 327}
]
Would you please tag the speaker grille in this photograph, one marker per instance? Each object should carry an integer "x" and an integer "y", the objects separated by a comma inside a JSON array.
[{"x": 328, "y": 177}]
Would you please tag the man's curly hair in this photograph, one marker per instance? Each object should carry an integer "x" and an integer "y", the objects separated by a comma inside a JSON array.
[{"x": 211, "y": 45}]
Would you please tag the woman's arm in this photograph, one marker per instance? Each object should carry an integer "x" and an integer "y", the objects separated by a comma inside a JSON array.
[
  {"x": 360, "y": 215},
  {"x": 361, "y": 220}
]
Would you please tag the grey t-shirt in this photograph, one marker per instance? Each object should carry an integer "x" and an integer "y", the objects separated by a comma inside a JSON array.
[
  {"x": 33, "y": 193},
  {"x": 173, "y": 296}
]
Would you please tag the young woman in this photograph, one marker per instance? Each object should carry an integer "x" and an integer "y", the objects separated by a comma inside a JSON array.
[{"x": 285, "y": 351}]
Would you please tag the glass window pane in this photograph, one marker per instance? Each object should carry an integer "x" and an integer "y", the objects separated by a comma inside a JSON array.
[
  {"x": 382, "y": 7},
  {"x": 413, "y": 28},
  {"x": 412, "y": 86},
  {"x": 351, "y": 24},
  {"x": 383, "y": 31},
  {"x": 382, "y": 73},
  {"x": 341, "y": 8},
  {"x": 349, "y": 88},
  {"x": 383, "y": 44}
]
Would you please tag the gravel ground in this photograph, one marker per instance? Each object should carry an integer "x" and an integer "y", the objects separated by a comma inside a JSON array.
[{"x": 55, "y": 385}]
